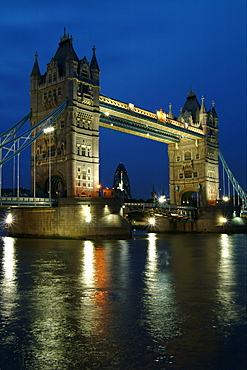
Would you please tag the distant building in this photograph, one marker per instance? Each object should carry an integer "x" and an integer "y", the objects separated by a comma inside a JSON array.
[{"x": 121, "y": 181}]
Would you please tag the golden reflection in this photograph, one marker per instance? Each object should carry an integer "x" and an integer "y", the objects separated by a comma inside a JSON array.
[
  {"x": 152, "y": 253},
  {"x": 88, "y": 265},
  {"x": 9, "y": 262},
  {"x": 9, "y": 285},
  {"x": 95, "y": 278},
  {"x": 226, "y": 279}
]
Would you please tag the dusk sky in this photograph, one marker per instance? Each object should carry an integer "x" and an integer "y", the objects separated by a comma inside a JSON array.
[{"x": 150, "y": 53}]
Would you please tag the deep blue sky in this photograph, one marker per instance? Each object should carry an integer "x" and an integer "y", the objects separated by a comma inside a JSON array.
[{"x": 149, "y": 53}]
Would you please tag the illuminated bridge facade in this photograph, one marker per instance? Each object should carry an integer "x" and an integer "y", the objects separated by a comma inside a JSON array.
[{"x": 67, "y": 110}]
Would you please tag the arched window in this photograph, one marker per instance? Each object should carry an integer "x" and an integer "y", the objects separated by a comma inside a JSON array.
[
  {"x": 187, "y": 156},
  {"x": 188, "y": 174}
]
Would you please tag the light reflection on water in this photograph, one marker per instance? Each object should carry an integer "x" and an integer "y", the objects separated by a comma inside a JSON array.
[
  {"x": 8, "y": 284},
  {"x": 157, "y": 301}
]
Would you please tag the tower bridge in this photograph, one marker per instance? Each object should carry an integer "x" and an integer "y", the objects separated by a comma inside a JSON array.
[{"x": 67, "y": 110}]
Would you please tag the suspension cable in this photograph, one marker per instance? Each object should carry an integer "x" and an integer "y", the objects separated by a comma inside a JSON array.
[{"x": 234, "y": 182}]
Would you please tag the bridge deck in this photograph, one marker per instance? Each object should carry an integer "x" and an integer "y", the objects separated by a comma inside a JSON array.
[
  {"x": 26, "y": 202},
  {"x": 126, "y": 118}
]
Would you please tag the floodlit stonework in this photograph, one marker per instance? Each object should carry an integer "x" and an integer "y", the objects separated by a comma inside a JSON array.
[
  {"x": 65, "y": 161},
  {"x": 194, "y": 177}
]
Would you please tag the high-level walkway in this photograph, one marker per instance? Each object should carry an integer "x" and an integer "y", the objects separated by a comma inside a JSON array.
[{"x": 158, "y": 126}]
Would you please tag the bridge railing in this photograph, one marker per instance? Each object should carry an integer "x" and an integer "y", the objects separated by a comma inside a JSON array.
[
  {"x": 160, "y": 206},
  {"x": 27, "y": 201}
]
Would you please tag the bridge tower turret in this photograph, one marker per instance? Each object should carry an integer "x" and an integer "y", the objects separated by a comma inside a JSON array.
[
  {"x": 194, "y": 177},
  {"x": 65, "y": 161}
]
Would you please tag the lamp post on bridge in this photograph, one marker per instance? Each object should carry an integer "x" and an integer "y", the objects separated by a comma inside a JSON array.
[{"x": 49, "y": 130}]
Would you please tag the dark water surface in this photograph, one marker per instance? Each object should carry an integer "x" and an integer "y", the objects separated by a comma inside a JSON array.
[{"x": 154, "y": 302}]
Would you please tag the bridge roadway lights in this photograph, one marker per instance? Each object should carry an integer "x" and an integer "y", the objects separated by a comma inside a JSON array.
[{"x": 211, "y": 219}]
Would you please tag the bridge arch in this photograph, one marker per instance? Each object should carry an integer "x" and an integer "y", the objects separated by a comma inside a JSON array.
[
  {"x": 190, "y": 198},
  {"x": 56, "y": 184}
]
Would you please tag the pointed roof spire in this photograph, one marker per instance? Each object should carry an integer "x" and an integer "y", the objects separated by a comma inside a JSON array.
[
  {"x": 94, "y": 63},
  {"x": 36, "y": 70},
  {"x": 170, "y": 114},
  {"x": 213, "y": 110},
  {"x": 203, "y": 108}
]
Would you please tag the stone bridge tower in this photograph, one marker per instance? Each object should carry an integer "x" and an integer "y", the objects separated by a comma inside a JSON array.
[
  {"x": 65, "y": 161},
  {"x": 194, "y": 177}
]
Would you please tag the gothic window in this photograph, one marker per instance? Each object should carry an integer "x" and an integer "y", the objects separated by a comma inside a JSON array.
[
  {"x": 45, "y": 95},
  {"x": 178, "y": 159},
  {"x": 49, "y": 78},
  {"x": 89, "y": 170},
  {"x": 49, "y": 94},
  {"x": 78, "y": 150},
  {"x": 84, "y": 175},
  {"x": 89, "y": 152},
  {"x": 188, "y": 174},
  {"x": 54, "y": 93},
  {"x": 85, "y": 89},
  {"x": 197, "y": 156},
  {"x": 54, "y": 76},
  {"x": 187, "y": 156},
  {"x": 62, "y": 125},
  {"x": 59, "y": 91},
  {"x": 83, "y": 151},
  {"x": 195, "y": 174},
  {"x": 181, "y": 176}
]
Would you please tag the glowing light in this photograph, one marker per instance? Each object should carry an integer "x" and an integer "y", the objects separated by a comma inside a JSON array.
[
  {"x": 162, "y": 199},
  {"x": 48, "y": 130},
  {"x": 223, "y": 220},
  {"x": 88, "y": 217},
  {"x": 9, "y": 219},
  {"x": 151, "y": 221},
  {"x": 161, "y": 115},
  {"x": 225, "y": 199},
  {"x": 106, "y": 114},
  {"x": 98, "y": 186}
]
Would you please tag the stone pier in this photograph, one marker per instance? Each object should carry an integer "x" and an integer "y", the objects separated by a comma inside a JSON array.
[{"x": 75, "y": 218}]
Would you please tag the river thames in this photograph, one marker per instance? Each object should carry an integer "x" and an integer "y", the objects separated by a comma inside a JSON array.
[{"x": 158, "y": 301}]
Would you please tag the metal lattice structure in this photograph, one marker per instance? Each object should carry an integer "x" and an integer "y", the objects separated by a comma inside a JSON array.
[
  {"x": 13, "y": 141},
  {"x": 233, "y": 181}
]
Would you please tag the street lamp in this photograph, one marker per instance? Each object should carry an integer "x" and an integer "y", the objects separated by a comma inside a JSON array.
[
  {"x": 99, "y": 188},
  {"x": 162, "y": 199},
  {"x": 48, "y": 131}
]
